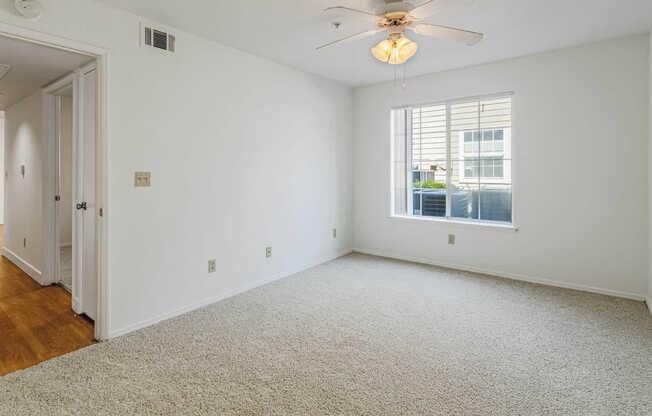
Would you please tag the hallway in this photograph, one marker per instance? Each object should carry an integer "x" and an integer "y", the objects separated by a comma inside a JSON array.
[{"x": 36, "y": 323}]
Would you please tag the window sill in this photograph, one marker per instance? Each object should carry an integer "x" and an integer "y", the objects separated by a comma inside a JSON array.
[{"x": 462, "y": 223}]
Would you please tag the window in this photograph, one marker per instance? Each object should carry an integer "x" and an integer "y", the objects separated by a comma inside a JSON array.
[
  {"x": 488, "y": 167},
  {"x": 486, "y": 140},
  {"x": 453, "y": 160}
]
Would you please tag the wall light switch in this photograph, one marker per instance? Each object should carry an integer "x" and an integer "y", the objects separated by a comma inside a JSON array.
[
  {"x": 268, "y": 252},
  {"x": 334, "y": 232},
  {"x": 142, "y": 179},
  {"x": 451, "y": 239},
  {"x": 212, "y": 266},
  {"x": 22, "y": 170}
]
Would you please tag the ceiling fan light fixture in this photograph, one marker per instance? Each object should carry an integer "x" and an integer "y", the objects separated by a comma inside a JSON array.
[{"x": 395, "y": 51}]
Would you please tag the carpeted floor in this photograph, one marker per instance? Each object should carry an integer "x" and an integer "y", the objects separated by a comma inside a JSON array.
[{"x": 368, "y": 336}]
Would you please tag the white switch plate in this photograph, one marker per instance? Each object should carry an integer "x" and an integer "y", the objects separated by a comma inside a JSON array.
[
  {"x": 334, "y": 232},
  {"x": 451, "y": 239},
  {"x": 268, "y": 252},
  {"x": 212, "y": 266},
  {"x": 143, "y": 179}
]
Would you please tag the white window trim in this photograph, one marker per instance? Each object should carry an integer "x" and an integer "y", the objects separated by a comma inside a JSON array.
[
  {"x": 448, "y": 220},
  {"x": 461, "y": 222}
]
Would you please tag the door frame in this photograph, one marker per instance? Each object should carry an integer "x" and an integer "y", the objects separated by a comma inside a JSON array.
[
  {"x": 101, "y": 56},
  {"x": 52, "y": 129}
]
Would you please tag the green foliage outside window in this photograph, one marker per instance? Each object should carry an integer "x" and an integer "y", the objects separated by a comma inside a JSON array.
[{"x": 429, "y": 185}]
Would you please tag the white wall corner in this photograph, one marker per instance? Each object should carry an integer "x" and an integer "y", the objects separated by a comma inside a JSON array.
[
  {"x": 649, "y": 166},
  {"x": 31, "y": 271}
]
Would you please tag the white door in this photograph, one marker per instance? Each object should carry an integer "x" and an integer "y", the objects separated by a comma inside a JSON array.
[{"x": 84, "y": 244}]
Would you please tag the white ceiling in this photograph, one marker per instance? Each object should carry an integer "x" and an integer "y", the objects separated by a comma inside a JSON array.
[
  {"x": 287, "y": 31},
  {"x": 32, "y": 66}
]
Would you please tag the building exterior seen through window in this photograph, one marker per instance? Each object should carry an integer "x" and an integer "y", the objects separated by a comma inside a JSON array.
[{"x": 453, "y": 160}]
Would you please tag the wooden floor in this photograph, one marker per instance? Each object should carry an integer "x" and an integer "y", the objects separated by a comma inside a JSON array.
[{"x": 36, "y": 323}]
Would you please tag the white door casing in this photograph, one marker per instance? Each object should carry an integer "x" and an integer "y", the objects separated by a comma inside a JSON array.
[{"x": 102, "y": 58}]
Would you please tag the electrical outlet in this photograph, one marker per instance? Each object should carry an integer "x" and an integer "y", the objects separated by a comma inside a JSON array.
[
  {"x": 212, "y": 266},
  {"x": 142, "y": 179},
  {"x": 268, "y": 252},
  {"x": 334, "y": 232},
  {"x": 451, "y": 239}
]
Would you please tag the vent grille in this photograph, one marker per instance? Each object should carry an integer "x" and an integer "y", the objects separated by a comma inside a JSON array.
[
  {"x": 3, "y": 70},
  {"x": 158, "y": 39}
]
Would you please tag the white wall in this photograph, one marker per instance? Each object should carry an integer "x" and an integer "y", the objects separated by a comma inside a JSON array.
[
  {"x": 649, "y": 285},
  {"x": 2, "y": 166},
  {"x": 580, "y": 169},
  {"x": 244, "y": 153},
  {"x": 23, "y": 219},
  {"x": 65, "y": 205}
]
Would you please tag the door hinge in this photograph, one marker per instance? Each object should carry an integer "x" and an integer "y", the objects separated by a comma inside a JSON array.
[{"x": 57, "y": 198}]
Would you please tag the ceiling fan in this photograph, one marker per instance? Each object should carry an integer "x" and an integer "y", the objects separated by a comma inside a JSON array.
[{"x": 397, "y": 17}]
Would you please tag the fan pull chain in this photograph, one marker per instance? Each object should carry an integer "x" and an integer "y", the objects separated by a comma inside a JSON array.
[
  {"x": 404, "y": 84},
  {"x": 396, "y": 75}
]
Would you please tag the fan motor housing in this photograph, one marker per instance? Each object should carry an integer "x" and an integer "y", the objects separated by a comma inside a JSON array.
[
  {"x": 396, "y": 14},
  {"x": 394, "y": 20}
]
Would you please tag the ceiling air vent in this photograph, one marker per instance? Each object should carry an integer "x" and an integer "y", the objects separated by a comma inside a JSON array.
[
  {"x": 157, "y": 38},
  {"x": 3, "y": 70}
]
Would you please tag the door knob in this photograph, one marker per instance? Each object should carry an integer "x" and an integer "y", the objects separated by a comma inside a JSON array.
[{"x": 82, "y": 206}]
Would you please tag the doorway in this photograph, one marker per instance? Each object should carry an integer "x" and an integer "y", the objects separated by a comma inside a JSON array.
[
  {"x": 64, "y": 124},
  {"x": 51, "y": 106},
  {"x": 70, "y": 119}
]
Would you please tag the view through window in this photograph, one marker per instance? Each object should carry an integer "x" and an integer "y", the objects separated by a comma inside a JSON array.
[{"x": 453, "y": 160}]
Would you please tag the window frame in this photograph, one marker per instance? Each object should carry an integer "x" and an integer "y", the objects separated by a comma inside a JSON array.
[{"x": 448, "y": 219}]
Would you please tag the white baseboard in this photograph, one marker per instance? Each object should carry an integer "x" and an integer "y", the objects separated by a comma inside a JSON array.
[
  {"x": 512, "y": 276},
  {"x": 76, "y": 306},
  {"x": 31, "y": 271},
  {"x": 648, "y": 302},
  {"x": 189, "y": 308}
]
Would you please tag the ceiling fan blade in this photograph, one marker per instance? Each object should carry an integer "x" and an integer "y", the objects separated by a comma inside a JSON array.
[
  {"x": 369, "y": 16},
  {"x": 357, "y": 36},
  {"x": 448, "y": 33},
  {"x": 425, "y": 9}
]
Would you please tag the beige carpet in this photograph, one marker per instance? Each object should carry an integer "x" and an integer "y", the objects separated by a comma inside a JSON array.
[{"x": 364, "y": 336}]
